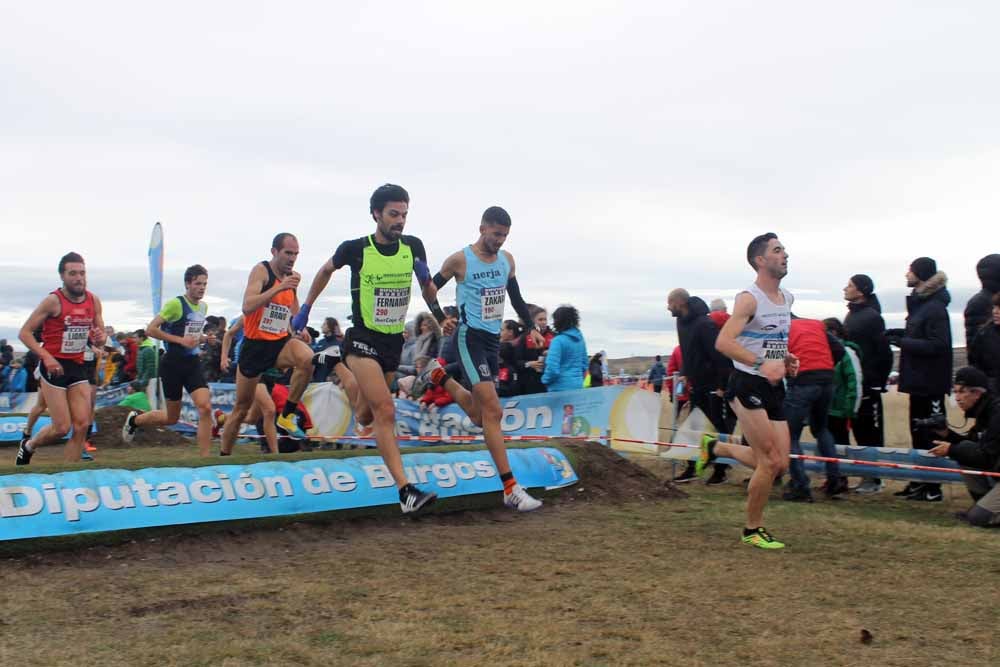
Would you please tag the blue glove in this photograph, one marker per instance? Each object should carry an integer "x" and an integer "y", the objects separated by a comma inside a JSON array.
[{"x": 301, "y": 319}]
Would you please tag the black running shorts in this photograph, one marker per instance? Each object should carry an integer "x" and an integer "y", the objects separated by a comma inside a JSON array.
[
  {"x": 73, "y": 374},
  {"x": 478, "y": 354},
  {"x": 383, "y": 348},
  {"x": 260, "y": 356},
  {"x": 755, "y": 392},
  {"x": 179, "y": 373}
]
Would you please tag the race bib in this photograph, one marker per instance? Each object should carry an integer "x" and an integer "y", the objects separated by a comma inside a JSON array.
[
  {"x": 74, "y": 340},
  {"x": 391, "y": 304},
  {"x": 194, "y": 327},
  {"x": 275, "y": 319},
  {"x": 492, "y": 302},
  {"x": 776, "y": 349}
]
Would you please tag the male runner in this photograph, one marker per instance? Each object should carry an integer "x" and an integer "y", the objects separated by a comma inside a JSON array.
[
  {"x": 269, "y": 303},
  {"x": 263, "y": 407},
  {"x": 68, "y": 317},
  {"x": 179, "y": 325},
  {"x": 485, "y": 275},
  {"x": 382, "y": 268},
  {"x": 756, "y": 339}
]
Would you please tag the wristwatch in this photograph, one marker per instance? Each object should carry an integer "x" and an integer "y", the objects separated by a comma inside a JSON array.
[{"x": 758, "y": 362}]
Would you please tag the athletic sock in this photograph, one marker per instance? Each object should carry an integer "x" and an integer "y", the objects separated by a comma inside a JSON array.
[
  {"x": 747, "y": 532},
  {"x": 28, "y": 446},
  {"x": 290, "y": 408},
  {"x": 508, "y": 482}
]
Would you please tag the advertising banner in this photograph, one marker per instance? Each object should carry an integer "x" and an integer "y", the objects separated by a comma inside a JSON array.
[{"x": 33, "y": 505}]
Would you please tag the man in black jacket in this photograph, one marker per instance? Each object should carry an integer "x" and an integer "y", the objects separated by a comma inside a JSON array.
[
  {"x": 978, "y": 449},
  {"x": 866, "y": 329},
  {"x": 705, "y": 368},
  {"x": 977, "y": 311},
  {"x": 925, "y": 357}
]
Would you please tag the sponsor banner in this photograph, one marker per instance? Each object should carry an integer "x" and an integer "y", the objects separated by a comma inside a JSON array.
[
  {"x": 626, "y": 411},
  {"x": 17, "y": 402},
  {"x": 12, "y": 426},
  {"x": 33, "y": 505}
]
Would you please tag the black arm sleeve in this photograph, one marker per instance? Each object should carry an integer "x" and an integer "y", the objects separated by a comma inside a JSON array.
[
  {"x": 517, "y": 301},
  {"x": 439, "y": 280}
]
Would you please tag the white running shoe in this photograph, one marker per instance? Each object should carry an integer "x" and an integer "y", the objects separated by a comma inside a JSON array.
[
  {"x": 364, "y": 430},
  {"x": 129, "y": 428},
  {"x": 519, "y": 500},
  {"x": 431, "y": 375}
]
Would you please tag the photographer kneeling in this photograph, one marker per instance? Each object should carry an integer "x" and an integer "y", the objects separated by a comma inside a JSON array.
[{"x": 979, "y": 448}]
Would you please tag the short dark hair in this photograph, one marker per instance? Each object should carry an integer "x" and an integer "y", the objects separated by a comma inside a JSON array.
[
  {"x": 495, "y": 215},
  {"x": 332, "y": 323},
  {"x": 279, "y": 240},
  {"x": 513, "y": 326},
  {"x": 192, "y": 272},
  {"x": 758, "y": 247},
  {"x": 565, "y": 317},
  {"x": 658, "y": 358},
  {"x": 385, "y": 194},
  {"x": 836, "y": 327},
  {"x": 69, "y": 258},
  {"x": 996, "y": 299},
  {"x": 140, "y": 333}
]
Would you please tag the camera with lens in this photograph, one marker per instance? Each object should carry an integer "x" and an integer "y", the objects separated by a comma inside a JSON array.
[{"x": 932, "y": 423}]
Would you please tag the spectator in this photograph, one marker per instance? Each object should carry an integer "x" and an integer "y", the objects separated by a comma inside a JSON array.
[
  {"x": 717, "y": 311},
  {"x": 229, "y": 354},
  {"x": 566, "y": 361},
  {"x": 676, "y": 385},
  {"x": 428, "y": 336},
  {"x": 15, "y": 377},
  {"x": 530, "y": 357},
  {"x": 977, "y": 310},
  {"x": 446, "y": 350},
  {"x": 925, "y": 358},
  {"x": 6, "y": 353},
  {"x": 706, "y": 371},
  {"x": 807, "y": 400},
  {"x": 136, "y": 398},
  {"x": 507, "y": 374},
  {"x": 984, "y": 353},
  {"x": 407, "y": 358},
  {"x": 130, "y": 357},
  {"x": 656, "y": 374},
  {"x": 979, "y": 448},
  {"x": 333, "y": 337},
  {"x": 847, "y": 384},
  {"x": 211, "y": 356},
  {"x": 30, "y": 364},
  {"x": 596, "y": 371},
  {"x": 865, "y": 328},
  {"x": 149, "y": 357},
  {"x": 112, "y": 367}
]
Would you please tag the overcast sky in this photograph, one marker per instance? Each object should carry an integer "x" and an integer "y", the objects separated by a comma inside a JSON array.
[{"x": 637, "y": 145}]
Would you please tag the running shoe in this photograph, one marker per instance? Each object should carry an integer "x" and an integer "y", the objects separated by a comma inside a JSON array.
[
  {"x": 85, "y": 455},
  {"x": 869, "y": 487},
  {"x": 518, "y": 499},
  {"x": 908, "y": 490},
  {"x": 23, "y": 453},
  {"x": 707, "y": 454},
  {"x": 88, "y": 447},
  {"x": 364, "y": 430},
  {"x": 129, "y": 428},
  {"x": 929, "y": 493},
  {"x": 762, "y": 539},
  {"x": 433, "y": 373},
  {"x": 412, "y": 499},
  {"x": 290, "y": 425}
]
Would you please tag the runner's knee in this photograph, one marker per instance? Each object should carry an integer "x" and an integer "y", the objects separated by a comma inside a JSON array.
[
  {"x": 384, "y": 410},
  {"x": 60, "y": 427}
]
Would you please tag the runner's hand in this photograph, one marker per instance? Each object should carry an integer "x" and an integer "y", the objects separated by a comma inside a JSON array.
[
  {"x": 291, "y": 282},
  {"x": 304, "y": 337},
  {"x": 448, "y": 326},
  {"x": 301, "y": 318},
  {"x": 191, "y": 342},
  {"x": 52, "y": 365},
  {"x": 774, "y": 370},
  {"x": 791, "y": 365},
  {"x": 224, "y": 365},
  {"x": 98, "y": 336}
]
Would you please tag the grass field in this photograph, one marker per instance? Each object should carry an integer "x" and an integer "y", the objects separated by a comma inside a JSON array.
[{"x": 622, "y": 576}]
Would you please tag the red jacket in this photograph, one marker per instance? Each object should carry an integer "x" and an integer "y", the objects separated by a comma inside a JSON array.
[
  {"x": 720, "y": 317},
  {"x": 807, "y": 340},
  {"x": 280, "y": 396},
  {"x": 674, "y": 365}
]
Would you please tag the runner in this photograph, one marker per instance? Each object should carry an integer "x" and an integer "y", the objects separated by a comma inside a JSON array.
[
  {"x": 68, "y": 317},
  {"x": 269, "y": 303},
  {"x": 382, "y": 267},
  {"x": 756, "y": 339},
  {"x": 485, "y": 275},
  {"x": 263, "y": 406},
  {"x": 179, "y": 325}
]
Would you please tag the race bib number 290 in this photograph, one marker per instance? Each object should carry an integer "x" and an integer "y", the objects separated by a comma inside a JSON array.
[{"x": 391, "y": 304}]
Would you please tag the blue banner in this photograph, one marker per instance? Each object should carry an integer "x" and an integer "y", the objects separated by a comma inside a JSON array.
[
  {"x": 33, "y": 505},
  {"x": 156, "y": 267}
]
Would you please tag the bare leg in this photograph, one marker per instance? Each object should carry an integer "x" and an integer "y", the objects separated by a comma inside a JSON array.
[
  {"x": 81, "y": 416},
  {"x": 202, "y": 399},
  {"x": 245, "y": 389},
  {"x": 57, "y": 402},
  {"x": 468, "y": 400},
  {"x": 484, "y": 395},
  {"x": 36, "y": 411},
  {"x": 770, "y": 444},
  {"x": 297, "y": 356},
  {"x": 167, "y": 417},
  {"x": 371, "y": 383}
]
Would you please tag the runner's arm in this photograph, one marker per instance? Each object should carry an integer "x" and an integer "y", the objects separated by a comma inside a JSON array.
[
  {"x": 743, "y": 312},
  {"x": 254, "y": 297},
  {"x": 227, "y": 338},
  {"x": 319, "y": 283},
  {"x": 452, "y": 267},
  {"x": 49, "y": 307},
  {"x": 518, "y": 303},
  {"x": 171, "y": 312}
]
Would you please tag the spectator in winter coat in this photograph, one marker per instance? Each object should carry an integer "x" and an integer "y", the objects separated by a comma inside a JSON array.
[
  {"x": 717, "y": 311},
  {"x": 657, "y": 373},
  {"x": 530, "y": 357},
  {"x": 925, "y": 357},
  {"x": 507, "y": 374},
  {"x": 847, "y": 383},
  {"x": 566, "y": 362},
  {"x": 676, "y": 385},
  {"x": 130, "y": 354},
  {"x": 211, "y": 356},
  {"x": 977, "y": 310},
  {"x": 149, "y": 357},
  {"x": 428, "y": 337},
  {"x": 866, "y": 329},
  {"x": 15, "y": 377},
  {"x": 595, "y": 369},
  {"x": 984, "y": 353}
]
